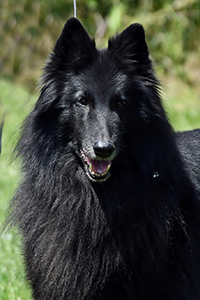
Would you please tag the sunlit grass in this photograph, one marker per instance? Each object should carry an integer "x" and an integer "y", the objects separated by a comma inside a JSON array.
[
  {"x": 15, "y": 103},
  {"x": 182, "y": 104}
]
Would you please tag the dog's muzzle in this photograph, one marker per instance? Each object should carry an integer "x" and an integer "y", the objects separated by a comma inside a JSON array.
[{"x": 97, "y": 168}]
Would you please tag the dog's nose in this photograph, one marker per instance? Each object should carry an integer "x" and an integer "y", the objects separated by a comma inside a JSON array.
[{"x": 103, "y": 149}]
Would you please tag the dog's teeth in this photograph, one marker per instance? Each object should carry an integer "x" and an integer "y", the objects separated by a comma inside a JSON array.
[{"x": 108, "y": 167}]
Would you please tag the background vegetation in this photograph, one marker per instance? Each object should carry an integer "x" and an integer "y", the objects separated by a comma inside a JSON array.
[{"x": 28, "y": 31}]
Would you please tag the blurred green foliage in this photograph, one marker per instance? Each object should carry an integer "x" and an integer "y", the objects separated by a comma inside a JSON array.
[{"x": 29, "y": 29}]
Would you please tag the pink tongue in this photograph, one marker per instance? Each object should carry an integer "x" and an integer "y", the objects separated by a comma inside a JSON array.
[{"x": 98, "y": 166}]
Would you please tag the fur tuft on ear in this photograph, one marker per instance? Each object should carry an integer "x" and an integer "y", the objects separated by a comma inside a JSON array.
[
  {"x": 130, "y": 47},
  {"x": 74, "y": 44}
]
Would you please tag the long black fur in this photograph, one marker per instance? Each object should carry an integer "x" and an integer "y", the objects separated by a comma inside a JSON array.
[{"x": 134, "y": 235}]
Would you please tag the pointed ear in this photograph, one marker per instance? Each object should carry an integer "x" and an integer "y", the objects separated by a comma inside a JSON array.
[
  {"x": 74, "y": 44},
  {"x": 129, "y": 47}
]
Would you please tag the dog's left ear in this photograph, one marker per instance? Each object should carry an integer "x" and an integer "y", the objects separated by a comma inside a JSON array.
[{"x": 130, "y": 46}]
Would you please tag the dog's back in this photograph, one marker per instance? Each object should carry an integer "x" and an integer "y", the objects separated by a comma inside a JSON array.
[{"x": 189, "y": 146}]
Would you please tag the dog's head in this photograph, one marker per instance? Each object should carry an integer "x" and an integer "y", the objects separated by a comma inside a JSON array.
[{"x": 95, "y": 99}]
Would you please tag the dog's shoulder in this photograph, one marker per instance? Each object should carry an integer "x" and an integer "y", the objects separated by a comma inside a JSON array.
[{"x": 188, "y": 143}]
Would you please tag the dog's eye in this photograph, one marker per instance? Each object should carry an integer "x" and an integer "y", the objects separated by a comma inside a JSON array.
[
  {"x": 83, "y": 101},
  {"x": 120, "y": 103}
]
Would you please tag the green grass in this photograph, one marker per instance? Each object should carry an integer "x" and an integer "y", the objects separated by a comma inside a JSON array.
[
  {"x": 183, "y": 106},
  {"x": 15, "y": 103}
]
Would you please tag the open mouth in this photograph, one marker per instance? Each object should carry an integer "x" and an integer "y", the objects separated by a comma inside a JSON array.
[{"x": 97, "y": 170}]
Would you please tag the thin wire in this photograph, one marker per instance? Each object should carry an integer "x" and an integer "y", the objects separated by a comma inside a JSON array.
[{"x": 74, "y": 8}]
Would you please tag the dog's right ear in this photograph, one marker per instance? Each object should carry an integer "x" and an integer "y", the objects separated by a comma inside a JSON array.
[{"x": 74, "y": 44}]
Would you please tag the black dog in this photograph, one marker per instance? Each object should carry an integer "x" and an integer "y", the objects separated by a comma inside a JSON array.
[{"x": 109, "y": 203}]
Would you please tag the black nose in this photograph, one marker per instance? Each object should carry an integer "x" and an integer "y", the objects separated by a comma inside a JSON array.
[{"x": 103, "y": 149}]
